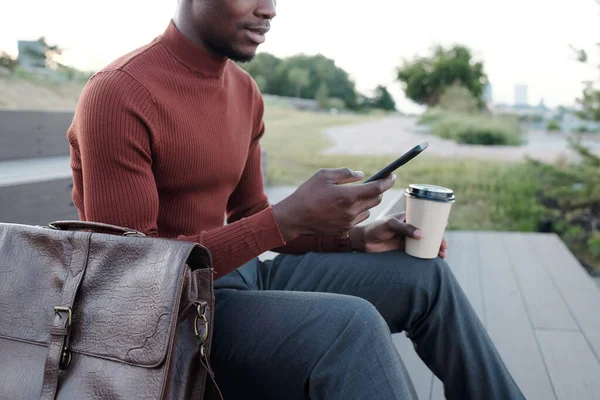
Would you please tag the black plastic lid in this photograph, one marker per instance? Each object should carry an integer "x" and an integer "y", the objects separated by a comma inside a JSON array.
[{"x": 430, "y": 192}]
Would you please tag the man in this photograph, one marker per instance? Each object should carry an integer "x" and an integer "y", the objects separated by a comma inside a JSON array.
[{"x": 166, "y": 140}]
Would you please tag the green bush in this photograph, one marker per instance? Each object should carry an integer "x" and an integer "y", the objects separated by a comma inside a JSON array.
[
  {"x": 514, "y": 203},
  {"x": 553, "y": 126},
  {"x": 459, "y": 99},
  {"x": 594, "y": 245},
  {"x": 431, "y": 116},
  {"x": 571, "y": 200},
  {"x": 478, "y": 129},
  {"x": 8, "y": 62}
]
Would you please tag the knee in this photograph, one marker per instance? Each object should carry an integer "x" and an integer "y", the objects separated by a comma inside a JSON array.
[
  {"x": 361, "y": 319},
  {"x": 435, "y": 270}
]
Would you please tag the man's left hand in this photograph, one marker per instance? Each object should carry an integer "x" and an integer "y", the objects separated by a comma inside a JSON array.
[{"x": 386, "y": 235}]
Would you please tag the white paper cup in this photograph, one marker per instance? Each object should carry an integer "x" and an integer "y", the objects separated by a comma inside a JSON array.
[{"x": 427, "y": 208}]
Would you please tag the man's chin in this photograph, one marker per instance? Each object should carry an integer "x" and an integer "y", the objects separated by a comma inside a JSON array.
[{"x": 242, "y": 57}]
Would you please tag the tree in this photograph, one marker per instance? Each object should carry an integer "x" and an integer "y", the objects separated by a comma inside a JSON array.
[
  {"x": 590, "y": 99},
  {"x": 426, "y": 78},
  {"x": 322, "y": 96},
  {"x": 383, "y": 99},
  {"x": 300, "y": 78},
  {"x": 459, "y": 99},
  {"x": 264, "y": 68},
  {"x": 8, "y": 62},
  {"x": 280, "y": 80},
  {"x": 570, "y": 194}
]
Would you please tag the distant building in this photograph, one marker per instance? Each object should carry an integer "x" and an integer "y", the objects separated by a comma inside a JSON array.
[
  {"x": 521, "y": 95},
  {"x": 488, "y": 95},
  {"x": 29, "y": 54}
]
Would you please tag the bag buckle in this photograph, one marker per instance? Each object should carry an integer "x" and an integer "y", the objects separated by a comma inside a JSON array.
[
  {"x": 201, "y": 327},
  {"x": 59, "y": 309},
  {"x": 65, "y": 357}
]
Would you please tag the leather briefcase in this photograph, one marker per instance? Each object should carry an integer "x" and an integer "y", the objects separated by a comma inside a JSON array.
[{"x": 95, "y": 311}]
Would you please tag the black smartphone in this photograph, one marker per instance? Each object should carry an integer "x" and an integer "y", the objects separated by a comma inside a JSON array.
[{"x": 409, "y": 155}]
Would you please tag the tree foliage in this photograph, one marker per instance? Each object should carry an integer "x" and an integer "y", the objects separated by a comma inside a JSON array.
[
  {"x": 8, "y": 62},
  {"x": 571, "y": 193},
  {"x": 302, "y": 76},
  {"x": 383, "y": 99},
  {"x": 457, "y": 98},
  {"x": 426, "y": 78}
]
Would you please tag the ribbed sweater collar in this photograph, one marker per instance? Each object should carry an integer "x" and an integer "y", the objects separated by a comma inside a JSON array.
[{"x": 193, "y": 56}]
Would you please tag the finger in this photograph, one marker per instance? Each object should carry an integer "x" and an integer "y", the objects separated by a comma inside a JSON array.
[
  {"x": 370, "y": 203},
  {"x": 443, "y": 253},
  {"x": 375, "y": 188},
  {"x": 361, "y": 217},
  {"x": 399, "y": 216},
  {"x": 340, "y": 176},
  {"x": 444, "y": 244},
  {"x": 404, "y": 229}
]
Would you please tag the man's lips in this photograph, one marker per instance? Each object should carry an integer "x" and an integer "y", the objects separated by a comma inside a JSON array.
[{"x": 256, "y": 34}]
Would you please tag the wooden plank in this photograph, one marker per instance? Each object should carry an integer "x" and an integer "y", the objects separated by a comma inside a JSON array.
[
  {"x": 546, "y": 307},
  {"x": 37, "y": 203},
  {"x": 33, "y": 133},
  {"x": 437, "y": 390},
  {"x": 576, "y": 287},
  {"x": 418, "y": 371},
  {"x": 574, "y": 370},
  {"x": 507, "y": 321},
  {"x": 463, "y": 259}
]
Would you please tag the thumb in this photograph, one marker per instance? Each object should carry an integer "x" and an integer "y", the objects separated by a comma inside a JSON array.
[
  {"x": 404, "y": 229},
  {"x": 340, "y": 176}
]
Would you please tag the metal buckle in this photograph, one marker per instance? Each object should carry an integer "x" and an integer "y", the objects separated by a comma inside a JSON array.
[
  {"x": 65, "y": 359},
  {"x": 201, "y": 317},
  {"x": 59, "y": 309}
]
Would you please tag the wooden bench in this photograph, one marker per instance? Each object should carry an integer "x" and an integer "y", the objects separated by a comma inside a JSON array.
[{"x": 538, "y": 304}]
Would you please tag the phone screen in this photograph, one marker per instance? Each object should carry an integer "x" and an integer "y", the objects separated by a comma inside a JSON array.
[{"x": 409, "y": 155}]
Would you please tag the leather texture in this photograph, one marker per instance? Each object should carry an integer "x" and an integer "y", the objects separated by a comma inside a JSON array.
[{"x": 135, "y": 311}]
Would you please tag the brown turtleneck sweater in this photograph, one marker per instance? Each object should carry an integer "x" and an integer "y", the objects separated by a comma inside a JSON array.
[{"x": 165, "y": 140}]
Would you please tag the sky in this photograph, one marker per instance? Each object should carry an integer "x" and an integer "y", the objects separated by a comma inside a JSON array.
[{"x": 519, "y": 41}]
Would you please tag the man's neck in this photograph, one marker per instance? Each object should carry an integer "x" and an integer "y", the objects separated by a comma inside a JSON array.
[{"x": 186, "y": 28}]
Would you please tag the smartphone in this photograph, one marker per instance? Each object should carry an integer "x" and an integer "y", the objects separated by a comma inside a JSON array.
[{"x": 409, "y": 155}]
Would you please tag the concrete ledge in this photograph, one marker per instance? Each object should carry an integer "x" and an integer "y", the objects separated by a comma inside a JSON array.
[
  {"x": 26, "y": 134},
  {"x": 37, "y": 203}
]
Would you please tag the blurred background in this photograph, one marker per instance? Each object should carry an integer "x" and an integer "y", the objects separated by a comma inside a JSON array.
[{"x": 507, "y": 93}]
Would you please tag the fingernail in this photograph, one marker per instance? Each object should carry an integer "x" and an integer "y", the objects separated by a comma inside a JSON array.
[
  {"x": 418, "y": 233},
  {"x": 359, "y": 173},
  {"x": 394, "y": 177}
]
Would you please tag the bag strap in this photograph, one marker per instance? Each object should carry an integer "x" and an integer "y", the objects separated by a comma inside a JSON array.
[
  {"x": 212, "y": 378},
  {"x": 59, "y": 355}
]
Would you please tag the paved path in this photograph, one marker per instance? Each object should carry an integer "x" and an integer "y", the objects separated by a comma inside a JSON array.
[{"x": 395, "y": 135}]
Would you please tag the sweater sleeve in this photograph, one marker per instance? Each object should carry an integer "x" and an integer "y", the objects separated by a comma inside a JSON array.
[
  {"x": 249, "y": 198},
  {"x": 112, "y": 144}
]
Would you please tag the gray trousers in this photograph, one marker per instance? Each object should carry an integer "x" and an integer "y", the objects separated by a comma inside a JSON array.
[{"x": 318, "y": 326}]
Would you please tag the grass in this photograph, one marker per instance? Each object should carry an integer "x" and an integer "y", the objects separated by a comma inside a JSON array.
[
  {"x": 295, "y": 140},
  {"x": 473, "y": 128},
  {"x": 491, "y": 195}
]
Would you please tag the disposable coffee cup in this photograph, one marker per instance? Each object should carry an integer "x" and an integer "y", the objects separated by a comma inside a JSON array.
[{"x": 427, "y": 208}]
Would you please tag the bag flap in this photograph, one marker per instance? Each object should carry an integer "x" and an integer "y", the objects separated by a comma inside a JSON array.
[{"x": 126, "y": 308}]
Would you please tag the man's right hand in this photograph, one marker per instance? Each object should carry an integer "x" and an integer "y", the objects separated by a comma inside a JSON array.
[{"x": 323, "y": 205}]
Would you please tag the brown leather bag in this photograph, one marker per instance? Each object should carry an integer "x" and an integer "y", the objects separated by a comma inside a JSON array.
[{"x": 98, "y": 311}]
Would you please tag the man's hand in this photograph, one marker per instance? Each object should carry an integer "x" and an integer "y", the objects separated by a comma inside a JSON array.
[
  {"x": 323, "y": 205},
  {"x": 386, "y": 235}
]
